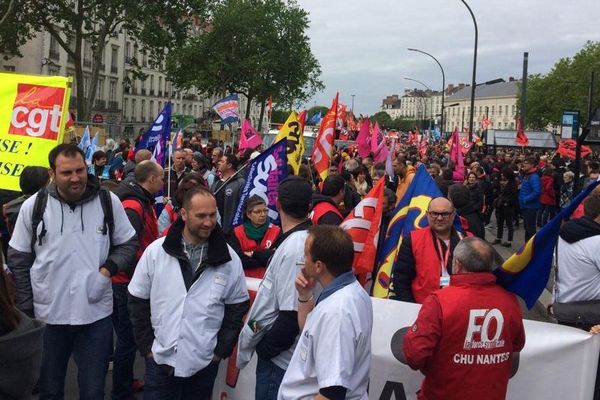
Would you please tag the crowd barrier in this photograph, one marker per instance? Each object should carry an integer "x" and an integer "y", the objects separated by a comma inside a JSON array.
[{"x": 557, "y": 362}]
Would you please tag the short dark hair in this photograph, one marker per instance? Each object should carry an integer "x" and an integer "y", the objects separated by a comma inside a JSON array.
[
  {"x": 189, "y": 195},
  {"x": 144, "y": 170},
  {"x": 33, "y": 179},
  {"x": 332, "y": 185},
  {"x": 591, "y": 205},
  {"x": 294, "y": 196},
  {"x": 67, "y": 150},
  {"x": 333, "y": 246},
  {"x": 530, "y": 160},
  {"x": 459, "y": 195},
  {"x": 186, "y": 184},
  {"x": 475, "y": 255},
  {"x": 233, "y": 160},
  {"x": 98, "y": 155}
]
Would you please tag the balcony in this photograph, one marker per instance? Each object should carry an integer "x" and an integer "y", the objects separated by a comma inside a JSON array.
[
  {"x": 54, "y": 55},
  {"x": 100, "y": 104},
  {"x": 113, "y": 105},
  {"x": 114, "y": 69}
]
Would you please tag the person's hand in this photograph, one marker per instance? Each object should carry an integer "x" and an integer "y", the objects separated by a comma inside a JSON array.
[
  {"x": 105, "y": 272},
  {"x": 304, "y": 285},
  {"x": 149, "y": 355},
  {"x": 249, "y": 253},
  {"x": 595, "y": 329},
  {"x": 216, "y": 358}
]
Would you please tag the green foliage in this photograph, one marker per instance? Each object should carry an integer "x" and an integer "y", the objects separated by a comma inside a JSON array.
[
  {"x": 257, "y": 48},
  {"x": 565, "y": 87},
  {"x": 279, "y": 116},
  {"x": 152, "y": 25},
  {"x": 315, "y": 110}
]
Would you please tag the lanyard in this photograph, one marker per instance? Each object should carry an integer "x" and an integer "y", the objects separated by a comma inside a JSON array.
[{"x": 444, "y": 257}]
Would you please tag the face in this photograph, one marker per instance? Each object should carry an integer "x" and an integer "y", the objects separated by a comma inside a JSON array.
[
  {"x": 101, "y": 162},
  {"x": 525, "y": 166},
  {"x": 471, "y": 179},
  {"x": 440, "y": 215},
  {"x": 399, "y": 168},
  {"x": 567, "y": 178},
  {"x": 178, "y": 160},
  {"x": 333, "y": 170},
  {"x": 216, "y": 156},
  {"x": 258, "y": 214},
  {"x": 201, "y": 218},
  {"x": 195, "y": 165},
  {"x": 309, "y": 263},
  {"x": 156, "y": 181},
  {"x": 70, "y": 176},
  {"x": 222, "y": 165}
]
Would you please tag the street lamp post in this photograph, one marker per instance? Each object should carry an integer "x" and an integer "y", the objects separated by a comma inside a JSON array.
[
  {"x": 474, "y": 71},
  {"x": 443, "y": 82}
]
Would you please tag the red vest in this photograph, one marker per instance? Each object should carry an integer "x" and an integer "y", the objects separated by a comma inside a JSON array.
[
  {"x": 472, "y": 315},
  {"x": 323, "y": 208},
  {"x": 427, "y": 264},
  {"x": 149, "y": 233},
  {"x": 248, "y": 244}
]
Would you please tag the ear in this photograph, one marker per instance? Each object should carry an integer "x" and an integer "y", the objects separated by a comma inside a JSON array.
[{"x": 184, "y": 215}]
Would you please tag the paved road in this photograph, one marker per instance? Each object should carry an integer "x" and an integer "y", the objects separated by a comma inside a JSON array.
[{"x": 538, "y": 313}]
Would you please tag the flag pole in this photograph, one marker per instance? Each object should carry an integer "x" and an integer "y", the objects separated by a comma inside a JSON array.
[
  {"x": 243, "y": 167},
  {"x": 170, "y": 155}
]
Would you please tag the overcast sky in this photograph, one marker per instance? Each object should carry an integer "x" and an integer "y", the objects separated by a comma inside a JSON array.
[{"x": 361, "y": 45}]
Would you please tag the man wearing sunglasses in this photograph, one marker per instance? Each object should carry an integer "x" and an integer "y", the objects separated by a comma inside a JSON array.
[{"x": 424, "y": 262}]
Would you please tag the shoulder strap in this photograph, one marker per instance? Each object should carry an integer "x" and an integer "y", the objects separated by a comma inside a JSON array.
[
  {"x": 37, "y": 216},
  {"x": 106, "y": 202}
]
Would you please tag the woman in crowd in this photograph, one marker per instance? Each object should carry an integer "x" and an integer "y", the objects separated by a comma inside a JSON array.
[
  {"x": 20, "y": 346},
  {"x": 253, "y": 239},
  {"x": 476, "y": 191},
  {"x": 506, "y": 206},
  {"x": 566, "y": 190},
  {"x": 360, "y": 182},
  {"x": 99, "y": 168}
]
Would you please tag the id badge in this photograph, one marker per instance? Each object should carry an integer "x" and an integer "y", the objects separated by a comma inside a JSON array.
[{"x": 444, "y": 281}]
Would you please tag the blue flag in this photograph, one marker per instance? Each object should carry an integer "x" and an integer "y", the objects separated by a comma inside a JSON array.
[
  {"x": 264, "y": 174},
  {"x": 158, "y": 133},
  {"x": 409, "y": 214},
  {"x": 85, "y": 141},
  {"x": 526, "y": 272},
  {"x": 315, "y": 119},
  {"x": 228, "y": 109},
  {"x": 91, "y": 149}
]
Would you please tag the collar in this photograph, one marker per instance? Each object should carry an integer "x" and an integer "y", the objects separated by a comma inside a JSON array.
[
  {"x": 217, "y": 254},
  {"x": 338, "y": 283},
  {"x": 303, "y": 226},
  {"x": 473, "y": 279}
]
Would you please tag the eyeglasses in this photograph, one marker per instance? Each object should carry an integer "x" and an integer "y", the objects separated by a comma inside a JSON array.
[
  {"x": 436, "y": 215},
  {"x": 258, "y": 212}
]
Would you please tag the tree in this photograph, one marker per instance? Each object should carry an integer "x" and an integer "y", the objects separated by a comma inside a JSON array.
[
  {"x": 382, "y": 118},
  {"x": 565, "y": 87},
  {"x": 83, "y": 28},
  {"x": 257, "y": 48}
]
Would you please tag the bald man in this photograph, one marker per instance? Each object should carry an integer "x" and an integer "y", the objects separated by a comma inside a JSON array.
[
  {"x": 129, "y": 169},
  {"x": 424, "y": 262}
]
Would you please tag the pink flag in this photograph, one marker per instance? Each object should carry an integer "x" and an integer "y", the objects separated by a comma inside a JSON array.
[
  {"x": 375, "y": 137},
  {"x": 362, "y": 140},
  {"x": 249, "y": 138},
  {"x": 456, "y": 156}
]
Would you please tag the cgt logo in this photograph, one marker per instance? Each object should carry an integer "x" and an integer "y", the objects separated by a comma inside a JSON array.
[{"x": 37, "y": 111}]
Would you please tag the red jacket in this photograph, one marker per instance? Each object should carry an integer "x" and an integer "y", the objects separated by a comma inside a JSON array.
[
  {"x": 463, "y": 339},
  {"x": 247, "y": 244},
  {"x": 548, "y": 196},
  {"x": 323, "y": 208}
]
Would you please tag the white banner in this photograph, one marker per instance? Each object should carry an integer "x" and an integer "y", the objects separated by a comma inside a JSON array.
[{"x": 557, "y": 362}]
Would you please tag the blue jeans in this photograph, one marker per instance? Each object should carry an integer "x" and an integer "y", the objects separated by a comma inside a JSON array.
[
  {"x": 124, "y": 355},
  {"x": 160, "y": 384},
  {"x": 91, "y": 346},
  {"x": 268, "y": 379}
]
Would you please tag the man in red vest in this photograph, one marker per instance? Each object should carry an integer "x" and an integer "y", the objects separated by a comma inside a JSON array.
[
  {"x": 424, "y": 262},
  {"x": 325, "y": 209},
  {"x": 467, "y": 338},
  {"x": 137, "y": 198}
]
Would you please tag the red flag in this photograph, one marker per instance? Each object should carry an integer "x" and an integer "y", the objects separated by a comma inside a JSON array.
[
  {"x": 566, "y": 148},
  {"x": 362, "y": 140},
  {"x": 270, "y": 105},
  {"x": 423, "y": 146},
  {"x": 302, "y": 119},
  {"x": 485, "y": 122},
  {"x": 362, "y": 224},
  {"x": 521, "y": 138},
  {"x": 321, "y": 155},
  {"x": 341, "y": 116}
]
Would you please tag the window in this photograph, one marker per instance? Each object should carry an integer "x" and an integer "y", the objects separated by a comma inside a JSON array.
[
  {"x": 160, "y": 84},
  {"x": 100, "y": 89},
  {"x": 151, "y": 111},
  {"x": 151, "y": 83},
  {"x": 500, "y": 111},
  {"x": 114, "y": 59},
  {"x": 513, "y": 109},
  {"x": 9, "y": 68},
  {"x": 492, "y": 113},
  {"x": 506, "y": 110},
  {"x": 112, "y": 91},
  {"x": 133, "y": 110},
  {"x": 128, "y": 49},
  {"x": 54, "y": 53}
]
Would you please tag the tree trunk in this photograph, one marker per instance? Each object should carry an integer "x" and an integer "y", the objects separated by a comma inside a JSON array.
[{"x": 248, "y": 106}]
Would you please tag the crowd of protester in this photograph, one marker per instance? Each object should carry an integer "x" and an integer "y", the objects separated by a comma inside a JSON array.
[{"x": 513, "y": 185}]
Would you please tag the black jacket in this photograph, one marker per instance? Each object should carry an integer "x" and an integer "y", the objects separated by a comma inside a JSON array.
[
  {"x": 228, "y": 198},
  {"x": 476, "y": 226},
  {"x": 578, "y": 229},
  {"x": 217, "y": 255}
]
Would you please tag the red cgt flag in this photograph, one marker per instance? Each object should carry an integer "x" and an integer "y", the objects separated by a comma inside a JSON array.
[
  {"x": 521, "y": 139},
  {"x": 362, "y": 224},
  {"x": 321, "y": 155}
]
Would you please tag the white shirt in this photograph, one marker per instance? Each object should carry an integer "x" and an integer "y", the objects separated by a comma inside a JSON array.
[
  {"x": 277, "y": 292},
  {"x": 67, "y": 286},
  {"x": 334, "y": 348},
  {"x": 186, "y": 323},
  {"x": 578, "y": 276}
]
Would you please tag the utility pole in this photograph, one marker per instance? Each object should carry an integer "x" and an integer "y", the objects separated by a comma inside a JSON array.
[{"x": 524, "y": 89}]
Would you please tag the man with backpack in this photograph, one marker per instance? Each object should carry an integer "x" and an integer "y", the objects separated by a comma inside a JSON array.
[
  {"x": 137, "y": 197},
  {"x": 69, "y": 239}
]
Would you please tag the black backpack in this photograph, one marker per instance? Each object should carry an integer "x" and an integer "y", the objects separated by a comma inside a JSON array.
[{"x": 39, "y": 207}]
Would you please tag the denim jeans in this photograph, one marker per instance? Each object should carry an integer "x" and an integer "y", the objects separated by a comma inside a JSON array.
[
  {"x": 268, "y": 379},
  {"x": 529, "y": 220},
  {"x": 160, "y": 384},
  {"x": 124, "y": 355},
  {"x": 91, "y": 346}
]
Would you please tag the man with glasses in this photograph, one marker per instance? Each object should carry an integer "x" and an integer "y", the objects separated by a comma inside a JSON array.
[{"x": 424, "y": 262}]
